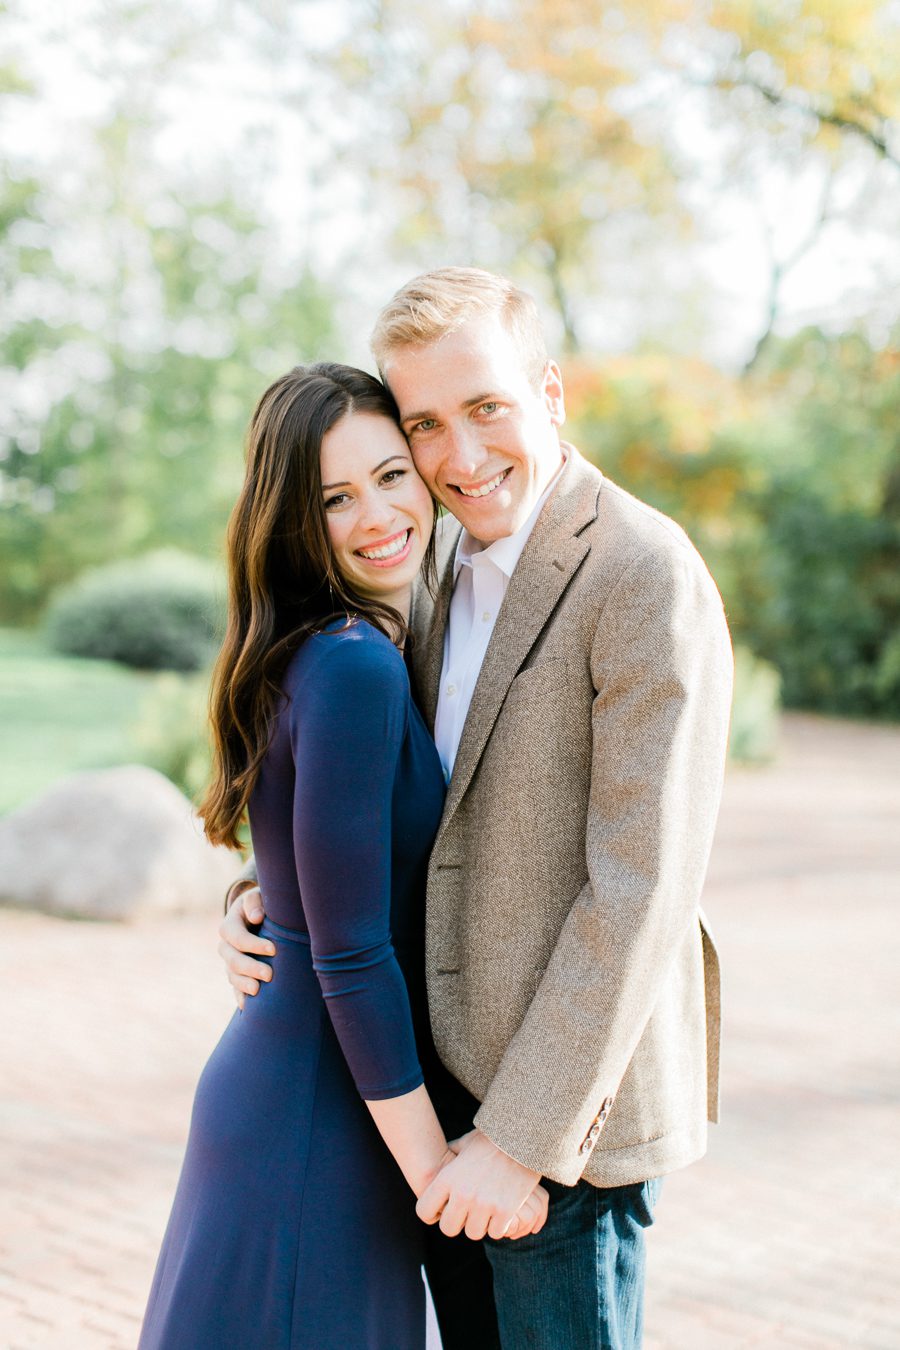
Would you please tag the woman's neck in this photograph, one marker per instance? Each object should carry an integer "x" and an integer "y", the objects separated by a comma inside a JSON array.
[{"x": 401, "y": 601}]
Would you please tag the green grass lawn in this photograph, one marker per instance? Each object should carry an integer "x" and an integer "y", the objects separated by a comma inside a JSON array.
[{"x": 59, "y": 714}]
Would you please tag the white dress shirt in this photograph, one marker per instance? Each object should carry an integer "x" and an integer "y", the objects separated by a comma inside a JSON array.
[{"x": 480, "y": 581}]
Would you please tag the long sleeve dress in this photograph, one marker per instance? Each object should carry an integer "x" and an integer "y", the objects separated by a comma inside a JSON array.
[{"x": 292, "y": 1226}]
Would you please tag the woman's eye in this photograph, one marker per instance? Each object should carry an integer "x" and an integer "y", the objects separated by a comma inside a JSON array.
[
  {"x": 393, "y": 474},
  {"x": 336, "y": 500}
]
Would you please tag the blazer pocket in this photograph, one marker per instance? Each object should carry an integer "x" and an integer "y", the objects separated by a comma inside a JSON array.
[{"x": 542, "y": 676}]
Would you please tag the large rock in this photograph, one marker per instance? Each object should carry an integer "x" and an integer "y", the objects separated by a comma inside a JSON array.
[{"x": 111, "y": 844}]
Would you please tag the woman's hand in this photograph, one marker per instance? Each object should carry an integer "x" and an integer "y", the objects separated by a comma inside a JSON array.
[{"x": 457, "y": 1145}]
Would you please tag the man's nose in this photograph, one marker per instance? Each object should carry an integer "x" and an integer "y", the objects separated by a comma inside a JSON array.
[{"x": 464, "y": 452}]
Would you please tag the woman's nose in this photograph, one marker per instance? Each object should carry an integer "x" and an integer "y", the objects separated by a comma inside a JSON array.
[{"x": 378, "y": 513}]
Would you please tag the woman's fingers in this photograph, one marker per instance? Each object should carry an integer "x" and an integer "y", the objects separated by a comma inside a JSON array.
[{"x": 530, "y": 1216}]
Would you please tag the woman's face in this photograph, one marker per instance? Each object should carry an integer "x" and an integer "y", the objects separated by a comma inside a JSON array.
[{"x": 379, "y": 512}]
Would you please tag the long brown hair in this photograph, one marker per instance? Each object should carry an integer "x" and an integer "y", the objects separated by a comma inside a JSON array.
[{"x": 283, "y": 583}]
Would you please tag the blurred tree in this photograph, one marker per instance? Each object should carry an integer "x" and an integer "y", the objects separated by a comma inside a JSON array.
[
  {"x": 144, "y": 445},
  {"x": 810, "y": 92},
  {"x": 557, "y": 140},
  {"x": 142, "y": 318},
  {"x": 815, "y": 585},
  {"x": 836, "y": 66},
  {"x": 790, "y": 484},
  {"x": 518, "y": 134}
]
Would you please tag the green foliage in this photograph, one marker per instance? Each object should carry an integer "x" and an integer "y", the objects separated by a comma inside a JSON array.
[
  {"x": 171, "y": 731},
  {"x": 815, "y": 579},
  {"x": 159, "y": 612},
  {"x": 60, "y": 714},
  {"x": 137, "y": 441},
  {"x": 755, "y": 709},
  {"x": 820, "y": 594},
  {"x": 790, "y": 485}
]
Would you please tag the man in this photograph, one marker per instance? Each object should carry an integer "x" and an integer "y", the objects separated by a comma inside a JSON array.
[{"x": 576, "y": 669}]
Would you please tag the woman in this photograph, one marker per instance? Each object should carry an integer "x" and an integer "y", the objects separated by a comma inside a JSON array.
[{"x": 317, "y": 738}]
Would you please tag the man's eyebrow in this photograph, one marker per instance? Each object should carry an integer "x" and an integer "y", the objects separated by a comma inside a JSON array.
[
  {"x": 329, "y": 487},
  {"x": 414, "y": 417},
  {"x": 467, "y": 403}
]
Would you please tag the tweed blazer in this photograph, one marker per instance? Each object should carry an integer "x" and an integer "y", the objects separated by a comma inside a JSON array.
[{"x": 573, "y": 986}]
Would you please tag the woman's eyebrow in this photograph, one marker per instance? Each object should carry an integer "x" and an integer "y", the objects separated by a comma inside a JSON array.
[{"x": 329, "y": 487}]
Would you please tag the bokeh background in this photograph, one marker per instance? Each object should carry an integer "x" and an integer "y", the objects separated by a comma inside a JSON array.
[{"x": 704, "y": 195}]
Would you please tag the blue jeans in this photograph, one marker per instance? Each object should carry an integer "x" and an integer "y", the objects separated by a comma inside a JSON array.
[{"x": 576, "y": 1285}]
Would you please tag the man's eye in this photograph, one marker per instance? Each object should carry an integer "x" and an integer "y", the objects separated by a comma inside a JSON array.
[
  {"x": 426, "y": 424},
  {"x": 489, "y": 407}
]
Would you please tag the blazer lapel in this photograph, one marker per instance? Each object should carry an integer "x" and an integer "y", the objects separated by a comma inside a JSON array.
[
  {"x": 549, "y": 561},
  {"x": 428, "y": 622}
]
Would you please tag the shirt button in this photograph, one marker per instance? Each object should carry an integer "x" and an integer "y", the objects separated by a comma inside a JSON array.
[
  {"x": 451, "y": 690},
  {"x": 486, "y": 616}
]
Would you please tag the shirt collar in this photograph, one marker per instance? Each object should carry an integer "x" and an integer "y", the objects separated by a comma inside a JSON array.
[{"x": 504, "y": 553}]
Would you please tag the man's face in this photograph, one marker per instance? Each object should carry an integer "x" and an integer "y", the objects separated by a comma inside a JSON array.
[{"x": 485, "y": 440}]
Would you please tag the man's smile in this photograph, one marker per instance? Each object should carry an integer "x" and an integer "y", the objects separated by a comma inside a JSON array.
[{"x": 483, "y": 489}]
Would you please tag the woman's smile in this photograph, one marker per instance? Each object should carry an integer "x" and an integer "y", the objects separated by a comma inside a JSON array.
[
  {"x": 378, "y": 511},
  {"x": 388, "y": 552}
]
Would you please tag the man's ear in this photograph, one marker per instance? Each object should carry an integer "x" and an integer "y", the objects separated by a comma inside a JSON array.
[{"x": 552, "y": 394}]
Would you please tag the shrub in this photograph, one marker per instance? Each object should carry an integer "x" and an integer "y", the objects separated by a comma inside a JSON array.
[
  {"x": 172, "y": 731},
  {"x": 754, "y": 712},
  {"x": 819, "y": 595},
  {"x": 158, "y": 612}
]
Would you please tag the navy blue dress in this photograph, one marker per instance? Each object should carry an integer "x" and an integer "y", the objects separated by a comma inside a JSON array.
[{"x": 292, "y": 1226}]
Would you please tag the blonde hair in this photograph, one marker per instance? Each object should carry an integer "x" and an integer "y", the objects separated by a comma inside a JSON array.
[{"x": 439, "y": 302}]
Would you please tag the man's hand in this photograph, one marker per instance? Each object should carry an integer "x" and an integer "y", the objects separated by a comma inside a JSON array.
[
  {"x": 483, "y": 1191},
  {"x": 243, "y": 972}
]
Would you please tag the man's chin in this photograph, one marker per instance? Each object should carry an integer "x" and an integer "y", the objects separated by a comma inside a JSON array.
[{"x": 487, "y": 525}]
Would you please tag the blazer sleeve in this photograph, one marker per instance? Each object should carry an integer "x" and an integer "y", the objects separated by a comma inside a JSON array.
[
  {"x": 661, "y": 666},
  {"x": 347, "y": 725}
]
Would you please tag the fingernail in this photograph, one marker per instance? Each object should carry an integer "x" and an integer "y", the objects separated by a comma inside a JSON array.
[{"x": 256, "y": 914}]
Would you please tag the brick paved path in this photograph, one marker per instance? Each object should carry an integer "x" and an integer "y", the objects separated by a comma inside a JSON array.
[{"x": 786, "y": 1237}]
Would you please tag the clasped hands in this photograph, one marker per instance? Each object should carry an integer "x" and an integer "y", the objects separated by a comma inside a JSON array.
[
  {"x": 478, "y": 1189},
  {"x": 482, "y": 1191}
]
